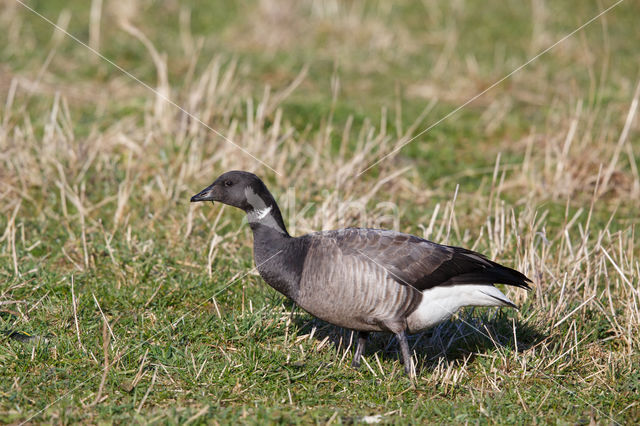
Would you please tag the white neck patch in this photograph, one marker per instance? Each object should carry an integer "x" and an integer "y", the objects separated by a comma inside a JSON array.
[{"x": 261, "y": 213}]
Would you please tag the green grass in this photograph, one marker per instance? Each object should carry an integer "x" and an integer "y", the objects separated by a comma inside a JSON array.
[{"x": 96, "y": 173}]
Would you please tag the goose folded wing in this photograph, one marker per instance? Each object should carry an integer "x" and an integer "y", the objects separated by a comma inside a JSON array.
[{"x": 423, "y": 264}]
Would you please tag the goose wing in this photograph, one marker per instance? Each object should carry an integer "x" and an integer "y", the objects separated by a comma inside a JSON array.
[{"x": 423, "y": 264}]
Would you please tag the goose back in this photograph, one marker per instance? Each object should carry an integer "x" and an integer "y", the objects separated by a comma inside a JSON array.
[{"x": 423, "y": 264}]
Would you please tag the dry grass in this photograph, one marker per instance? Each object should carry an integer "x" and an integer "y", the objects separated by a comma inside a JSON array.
[{"x": 95, "y": 176}]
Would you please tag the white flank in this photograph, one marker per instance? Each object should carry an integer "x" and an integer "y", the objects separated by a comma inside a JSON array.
[{"x": 439, "y": 303}]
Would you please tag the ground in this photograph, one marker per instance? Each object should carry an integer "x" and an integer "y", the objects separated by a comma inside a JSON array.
[{"x": 120, "y": 301}]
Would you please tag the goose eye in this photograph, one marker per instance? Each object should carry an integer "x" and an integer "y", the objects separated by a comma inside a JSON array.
[{"x": 228, "y": 183}]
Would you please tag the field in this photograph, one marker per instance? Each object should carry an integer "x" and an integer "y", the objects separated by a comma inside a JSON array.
[{"x": 507, "y": 127}]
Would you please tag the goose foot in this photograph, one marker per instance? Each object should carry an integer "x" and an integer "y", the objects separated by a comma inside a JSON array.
[
  {"x": 406, "y": 355},
  {"x": 362, "y": 341}
]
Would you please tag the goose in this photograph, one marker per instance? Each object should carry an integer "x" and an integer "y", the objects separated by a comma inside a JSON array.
[{"x": 366, "y": 280}]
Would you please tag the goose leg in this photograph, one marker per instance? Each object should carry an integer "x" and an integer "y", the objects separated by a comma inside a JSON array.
[
  {"x": 362, "y": 341},
  {"x": 406, "y": 355}
]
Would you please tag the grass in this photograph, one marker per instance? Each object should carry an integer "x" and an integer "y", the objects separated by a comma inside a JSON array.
[{"x": 129, "y": 304}]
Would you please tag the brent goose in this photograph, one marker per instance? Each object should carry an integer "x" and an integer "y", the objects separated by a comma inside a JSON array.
[{"x": 363, "y": 279}]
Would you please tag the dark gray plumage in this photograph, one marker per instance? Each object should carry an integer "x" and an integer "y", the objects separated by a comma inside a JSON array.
[{"x": 363, "y": 279}]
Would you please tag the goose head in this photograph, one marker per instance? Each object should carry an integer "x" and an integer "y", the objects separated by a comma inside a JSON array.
[
  {"x": 247, "y": 192},
  {"x": 239, "y": 189}
]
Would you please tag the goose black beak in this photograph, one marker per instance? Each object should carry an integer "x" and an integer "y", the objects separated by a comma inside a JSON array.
[{"x": 204, "y": 195}]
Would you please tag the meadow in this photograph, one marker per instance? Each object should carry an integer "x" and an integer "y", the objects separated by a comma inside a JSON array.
[{"x": 510, "y": 128}]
